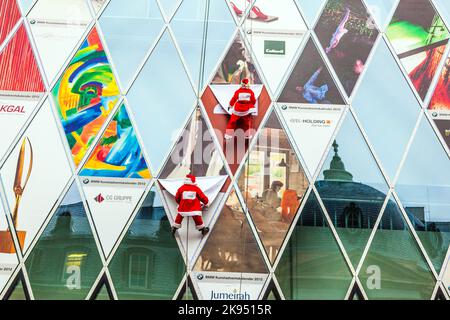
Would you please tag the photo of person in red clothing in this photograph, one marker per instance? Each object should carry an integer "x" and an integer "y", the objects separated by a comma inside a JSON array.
[
  {"x": 191, "y": 200},
  {"x": 242, "y": 106}
]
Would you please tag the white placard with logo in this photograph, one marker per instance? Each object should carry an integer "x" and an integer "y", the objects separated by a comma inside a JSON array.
[
  {"x": 284, "y": 24},
  {"x": 111, "y": 202},
  {"x": 15, "y": 110},
  {"x": 49, "y": 173},
  {"x": 57, "y": 27},
  {"x": 439, "y": 114},
  {"x": 190, "y": 237},
  {"x": 229, "y": 285},
  {"x": 312, "y": 128}
]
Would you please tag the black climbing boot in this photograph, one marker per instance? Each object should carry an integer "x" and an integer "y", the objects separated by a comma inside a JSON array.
[{"x": 204, "y": 231}]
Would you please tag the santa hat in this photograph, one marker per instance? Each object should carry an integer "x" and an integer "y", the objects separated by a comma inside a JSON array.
[
  {"x": 245, "y": 82},
  {"x": 190, "y": 179}
]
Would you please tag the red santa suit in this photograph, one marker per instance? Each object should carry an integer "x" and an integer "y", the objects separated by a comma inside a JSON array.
[
  {"x": 190, "y": 198},
  {"x": 243, "y": 104}
]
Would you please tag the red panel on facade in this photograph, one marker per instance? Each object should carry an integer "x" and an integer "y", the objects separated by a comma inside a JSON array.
[
  {"x": 9, "y": 15},
  {"x": 18, "y": 68}
]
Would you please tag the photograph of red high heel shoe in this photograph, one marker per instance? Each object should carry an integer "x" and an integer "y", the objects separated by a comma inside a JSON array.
[
  {"x": 257, "y": 14},
  {"x": 236, "y": 10}
]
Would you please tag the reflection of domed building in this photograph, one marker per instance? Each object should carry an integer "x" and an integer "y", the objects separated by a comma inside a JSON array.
[
  {"x": 147, "y": 265},
  {"x": 353, "y": 207},
  {"x": 350, "y": 204},
  {"x": 353, "y": 204}
]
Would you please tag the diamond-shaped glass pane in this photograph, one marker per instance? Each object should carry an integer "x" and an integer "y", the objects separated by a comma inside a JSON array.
[
  {"x": 128, "y": 25},
  {"x": 234, "y": 135},
  {"x": 273, "y": 184},
  {"x": 214, "y": 188},
  {"x": 310, "y": 80},
  {"x": 152, "y": 95},
  {"x": 424, "y": 191},
  {"x": 312, "y": 266},
  {"x": 65, "y": 261},
  {"x": 394, "y": 267},
  {"x": 29, "y": 177},
  {"x": 231, "y": 237},
  {"x": 231, "y": 248},
  {"x": 194, "y": 33},
  {"x": 347, "y": 34},
  {"x": 148, "y": 263},
  {"x": 419, "y": 37},
  {"x": 396, "y": 108},
  {"x": 85, "y": 95},
  {"x": 195, "y": 152},
  {"x": 57, "y": 27},
  {"x": 352, "y": 189}
]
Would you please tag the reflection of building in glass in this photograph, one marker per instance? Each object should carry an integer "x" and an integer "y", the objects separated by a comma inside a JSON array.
[
  {"x": 65, "y": 262},
  {"x": 273, "y": 185},
  {"x": 353, "y": 209},
  {"x": 147, "y": 264},
  {"x": 231, "y": 247},
  {"x": 350, "y": 204}
]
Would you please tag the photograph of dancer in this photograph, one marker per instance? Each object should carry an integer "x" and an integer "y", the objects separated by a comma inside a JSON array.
[
  {"x": 311, "y": 81},
  {"x": 339, "y": 33},
  {"x": 347, "y": 34}
]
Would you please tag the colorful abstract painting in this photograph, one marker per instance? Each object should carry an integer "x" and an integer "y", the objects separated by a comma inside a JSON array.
[
  {"x": 118, "y": 153},
  {"x": 85, "y": 95}
]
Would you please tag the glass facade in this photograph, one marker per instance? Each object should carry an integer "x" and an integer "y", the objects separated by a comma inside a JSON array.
[{"x": 333, "y": 184}]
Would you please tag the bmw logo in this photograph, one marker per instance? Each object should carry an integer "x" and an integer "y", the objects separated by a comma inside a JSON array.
[
  {"x": 200, "y": 276},
  {"x": 435, "y": 114},
  {"x": 284, "y": 107},
  {"x": 86, "y": 181}
]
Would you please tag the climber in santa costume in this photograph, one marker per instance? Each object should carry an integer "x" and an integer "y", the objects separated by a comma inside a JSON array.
[
  {"x": 190, "y": 199},
  {"x": 242, "y": 107}
]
